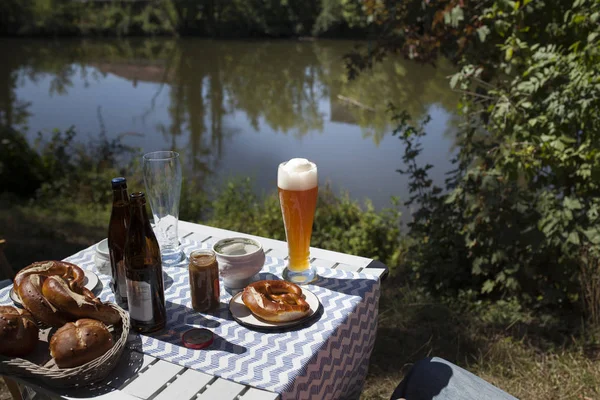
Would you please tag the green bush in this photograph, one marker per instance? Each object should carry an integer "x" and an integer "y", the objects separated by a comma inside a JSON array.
[
  {"x": 21, "y": 168},
  {"x": 524, "y": 197},
  {"x": 73, "y": 180},
  {"x": 340, "y": 224},
  {"x": 66, "y": 17},
  {"x": 78, "y": 173},
  {"x": 275, "y": 18}
]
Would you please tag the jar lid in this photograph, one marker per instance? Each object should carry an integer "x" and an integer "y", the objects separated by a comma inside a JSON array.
[
  {"x": 197, "y": 338},
  {"x": 202, "y": 257}
]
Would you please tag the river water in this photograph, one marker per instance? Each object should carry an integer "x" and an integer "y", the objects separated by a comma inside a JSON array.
[{"x": 233, "y": 108}]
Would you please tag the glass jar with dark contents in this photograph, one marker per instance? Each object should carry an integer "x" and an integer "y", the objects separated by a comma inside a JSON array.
[{"x": 204, "y": 280}]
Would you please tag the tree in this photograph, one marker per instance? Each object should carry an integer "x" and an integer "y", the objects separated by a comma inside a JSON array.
[{"x": 524, "y": 196}]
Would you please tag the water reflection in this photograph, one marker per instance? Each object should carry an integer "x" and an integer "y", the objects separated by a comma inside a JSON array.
[{"x": 215, "y": 100}]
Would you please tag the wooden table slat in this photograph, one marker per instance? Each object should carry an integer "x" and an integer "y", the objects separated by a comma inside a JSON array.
[
  {"x": 278, "y": 253},
  {"x": 198, "y": 237},
  {"x": 277, "y": 244},
  {"x": 378, "y": 272},
  {"x": 130, "y": 364},
  {"x": 153, "y": 379},
  {"x": 212, "y": 240},
  {"x": 257, "y": 394},
  {"x": 222, "y": 390},
  {"x": 318, "y": 262},
  {"x": 93, "y": 392},
  {"x": 348, "y": 267},
  {"x": 116, "y": 395},
  {"x": 183, "y": 233},
  {"x": 224, "y": 233},
  {"x": 185, "y": 386},
  {"x": 382, "y": 270},
  {"x": 339, "y": 257}
]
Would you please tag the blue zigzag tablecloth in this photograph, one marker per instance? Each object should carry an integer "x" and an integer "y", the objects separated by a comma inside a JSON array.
[{"x": 325, "y": 358}]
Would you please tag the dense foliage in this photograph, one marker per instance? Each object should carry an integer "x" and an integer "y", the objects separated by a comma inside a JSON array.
[
  {"x": 61, "y": 176},
  {"x": 340, "y": 223},
  {"x": 524, "y": 198},
  {"x": 201, "y": 17},
  {"x": 58, "y": 172}
]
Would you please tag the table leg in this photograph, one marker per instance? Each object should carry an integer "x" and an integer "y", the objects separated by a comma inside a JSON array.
[{"x": 13, "y": 388}]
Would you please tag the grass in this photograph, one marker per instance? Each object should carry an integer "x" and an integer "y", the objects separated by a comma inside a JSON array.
[
  {"x": 527, "y": 356},
  {"x": 530, "y": 356},
  {"x": 34, "y": 234}
]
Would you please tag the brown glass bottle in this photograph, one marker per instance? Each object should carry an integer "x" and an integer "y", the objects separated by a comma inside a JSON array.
[
  {"x": 143, "y": 268},
  {"x": 204, "y": 280},
  {"x": 117, "y": 233}
]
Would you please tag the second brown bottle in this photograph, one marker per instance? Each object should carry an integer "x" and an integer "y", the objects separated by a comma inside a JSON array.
[
  {"x": 143, "y": 269},
  {"x": 117, "y": 235}
]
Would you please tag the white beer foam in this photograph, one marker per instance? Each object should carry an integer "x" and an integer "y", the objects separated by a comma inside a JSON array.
[{"x": 297, "y": 174}]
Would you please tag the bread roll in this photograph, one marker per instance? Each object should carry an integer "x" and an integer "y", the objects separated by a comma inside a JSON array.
[
  {"x": 18, "y": 332},
  {"x": 77, "y": 343}
]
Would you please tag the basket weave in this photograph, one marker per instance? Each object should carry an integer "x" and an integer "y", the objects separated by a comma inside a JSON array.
[{"x": 85, "y": 374}]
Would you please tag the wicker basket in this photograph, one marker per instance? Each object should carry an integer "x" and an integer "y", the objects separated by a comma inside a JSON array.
[{"x": 85, "y": 374}]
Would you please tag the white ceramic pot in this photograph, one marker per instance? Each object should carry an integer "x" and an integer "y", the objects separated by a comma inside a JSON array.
[
  {"x": 102, "y": 259},
  {"x": 239, "y": 260}
]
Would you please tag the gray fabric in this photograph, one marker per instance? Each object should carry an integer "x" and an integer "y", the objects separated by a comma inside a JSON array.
[{"x": 438, "y": 379}]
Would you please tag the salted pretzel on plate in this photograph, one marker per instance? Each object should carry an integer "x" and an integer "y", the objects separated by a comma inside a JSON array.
[
  {"x": 53, "y": 292},
  {"x": 275, "y": 301}
]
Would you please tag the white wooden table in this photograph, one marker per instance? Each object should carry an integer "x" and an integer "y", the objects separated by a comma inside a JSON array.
[{"x": 140, "y": 376}]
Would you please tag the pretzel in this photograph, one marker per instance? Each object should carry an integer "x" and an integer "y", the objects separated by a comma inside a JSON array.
[
  {"x": 79, "y": 305},
  {"x": 69, "y": 272},
  {"x": 53, "y": 292},
  {"x": 275, "y": 301},
  {"x": 30, "y": 292}
]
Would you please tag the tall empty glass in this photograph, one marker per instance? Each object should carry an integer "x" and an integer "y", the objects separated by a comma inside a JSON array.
[
  {"x": 162, "y": 177},
  {"x": 297, "y": 183}
]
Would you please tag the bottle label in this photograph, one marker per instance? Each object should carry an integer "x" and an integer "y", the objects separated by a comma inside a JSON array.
[{"x": 139, "y": 299}]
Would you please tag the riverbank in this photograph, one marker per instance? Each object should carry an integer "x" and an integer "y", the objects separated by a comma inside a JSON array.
[
  {"x": 206, "y": 18},
  {"x": 531, "y": 352},
  {"x": 531, "y": 356},
  {"x": 499, "y": 268},
  {"x": 233, "y": 108}
]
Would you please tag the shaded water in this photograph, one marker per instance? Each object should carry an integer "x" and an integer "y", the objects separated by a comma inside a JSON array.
[{"x": 233, "y": 108}]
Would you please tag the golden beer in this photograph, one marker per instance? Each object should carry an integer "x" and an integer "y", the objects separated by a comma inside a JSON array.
[
  {"x": 298, "y": 188},
  {"x": 298, "y": 209}
]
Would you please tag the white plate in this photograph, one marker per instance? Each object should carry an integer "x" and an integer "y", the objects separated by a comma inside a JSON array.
[
  {"x": 244, "y": 316},
  {"x": 90, "y": 282}
]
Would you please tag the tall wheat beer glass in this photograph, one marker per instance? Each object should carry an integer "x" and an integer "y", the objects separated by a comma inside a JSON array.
[{"x": 298, "y": 186}]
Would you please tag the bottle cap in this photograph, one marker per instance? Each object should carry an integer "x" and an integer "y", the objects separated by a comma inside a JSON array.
[
  {"x": 119, "y": 182},
  {"x": 197, "y": 338}
]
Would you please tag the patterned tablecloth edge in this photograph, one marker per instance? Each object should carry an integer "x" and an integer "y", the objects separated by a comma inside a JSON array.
[{"x": 299, "y": 383}]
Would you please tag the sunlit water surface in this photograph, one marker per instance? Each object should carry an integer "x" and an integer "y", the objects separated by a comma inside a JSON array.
[{"x": 234, "y": 108}]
